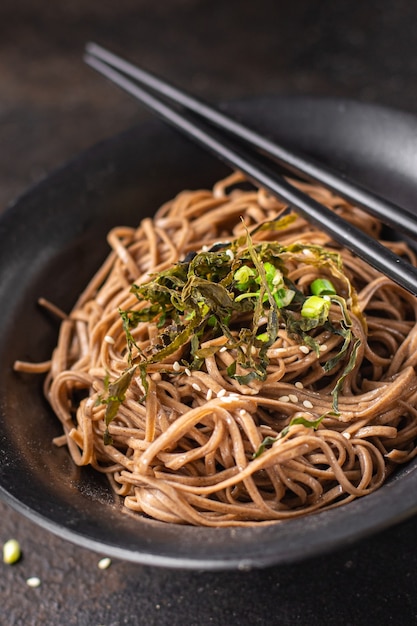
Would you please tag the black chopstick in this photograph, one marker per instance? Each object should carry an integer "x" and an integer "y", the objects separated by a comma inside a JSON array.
[
  {"x": 253, "y": 165},
  {"x": 389, "y": 213}
]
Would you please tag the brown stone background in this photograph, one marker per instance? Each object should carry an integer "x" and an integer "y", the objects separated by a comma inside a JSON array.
[{"x": 52, "y": 107}]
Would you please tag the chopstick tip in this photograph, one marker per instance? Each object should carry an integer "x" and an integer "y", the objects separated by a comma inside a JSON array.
[{"x": 91, "y": 47}]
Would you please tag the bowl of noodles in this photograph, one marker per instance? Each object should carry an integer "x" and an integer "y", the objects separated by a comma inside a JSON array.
[{"x": 194, "y": 376}]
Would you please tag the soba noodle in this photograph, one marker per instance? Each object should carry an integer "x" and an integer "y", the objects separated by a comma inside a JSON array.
[{"x": 191, "y": 432}]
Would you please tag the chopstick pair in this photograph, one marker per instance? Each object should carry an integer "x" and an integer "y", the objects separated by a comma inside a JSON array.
[{"x": 248, "y": 151}]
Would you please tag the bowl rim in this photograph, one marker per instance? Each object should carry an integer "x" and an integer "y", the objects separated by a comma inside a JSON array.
[{"x": 391, "y": 504}]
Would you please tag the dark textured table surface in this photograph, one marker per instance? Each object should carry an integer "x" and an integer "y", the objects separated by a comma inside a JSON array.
[{"x": 52, "y": 107}]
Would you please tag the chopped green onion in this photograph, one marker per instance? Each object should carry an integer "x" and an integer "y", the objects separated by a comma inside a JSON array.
[
  {"x": 315, "y": 307},
  {"x": 322, "y": 287},
  {"x": 273, "y": 275},
  {"x": 242, "y": 277},
  {"x": 284, "y": 297}
]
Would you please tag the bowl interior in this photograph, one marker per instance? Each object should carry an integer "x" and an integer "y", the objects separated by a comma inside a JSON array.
[{"x": 53, "y": 239}]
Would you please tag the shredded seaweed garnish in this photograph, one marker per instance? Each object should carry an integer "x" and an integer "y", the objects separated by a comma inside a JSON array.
[
  {"x": 269, "y": 441},
  {"x": 240, "y": 291},
  {"x": 116, "y": 395}
]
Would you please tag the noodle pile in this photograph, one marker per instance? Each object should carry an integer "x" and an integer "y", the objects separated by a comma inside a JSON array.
[{"x": 196, "y": 445}]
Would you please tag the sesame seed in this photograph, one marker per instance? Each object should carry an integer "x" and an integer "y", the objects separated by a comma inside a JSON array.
[
  {"x": 304, "y": 349},
  {"x": 242, "y": 412},
  {"x": 196, "y": 387},
  {"x": 227, "y": 399},
  {"x": 187, "y": 371},
  {"x": 346, "y": 435},
  {"x": 327, "y": 298},
  {"x": 284, "y": 399},
  {"x": 293, "y": 398},
  {"x": 230, "y": 254},
  {"x": 104, "y": 563},
  {"x": 90, "y": 402},
  {"x": 209, "y": 394},
  {"x": 11, "y": 552},
  {"x": 33, "y": 581},
  {"x": 109, "y": 339},
  {"x": 299, "y": 385},
  {"x": 176, "y": 367},
  {"x": 307, "y": 404},
  {"x": 221, "y": 393},
  {"x": 323, "y": 347},
  {"x": 223, "y": 349}
]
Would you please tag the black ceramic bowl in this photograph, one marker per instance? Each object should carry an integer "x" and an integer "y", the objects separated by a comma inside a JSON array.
[{"x": 53, "y": 239}]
